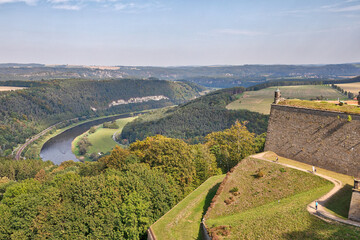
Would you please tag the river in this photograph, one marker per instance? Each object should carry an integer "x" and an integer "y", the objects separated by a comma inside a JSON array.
[{"x": 58, "y": 148}]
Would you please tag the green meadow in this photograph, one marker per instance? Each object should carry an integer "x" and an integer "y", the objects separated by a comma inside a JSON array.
[{"x": 102, "y": 139}]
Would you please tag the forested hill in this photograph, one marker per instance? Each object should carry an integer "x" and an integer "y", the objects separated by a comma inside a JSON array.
[
  {"x": 25, "y": 112},
  {"x": 195, "y": 119}
]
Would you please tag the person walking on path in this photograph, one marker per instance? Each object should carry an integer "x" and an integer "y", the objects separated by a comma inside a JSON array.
[
  {"x": 277, "y": 159},
  {"x": 316, "y": 205}
]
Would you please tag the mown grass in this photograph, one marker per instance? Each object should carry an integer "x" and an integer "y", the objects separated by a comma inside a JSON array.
[
  {"x": 276, "y": 183},
  {"x": 274, "y": 206},
  {"x": 287, "y": 219},
  {"x": 183, "y": 221},
  {"x": 351, "y": 109},
  {"x": 260, "y": 101},
  {"x": 101, "y": 139},
  {"x": 338, "y": 204}
]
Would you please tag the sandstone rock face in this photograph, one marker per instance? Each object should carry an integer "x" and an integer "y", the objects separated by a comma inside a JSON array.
[{"x": 321, "y": 138}]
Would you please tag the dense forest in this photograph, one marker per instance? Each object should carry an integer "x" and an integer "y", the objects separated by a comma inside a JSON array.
[
  {"x": 195, "y": 119},
  {"x": 120, "y": 195},
  {"x": 24, "y": 113}
]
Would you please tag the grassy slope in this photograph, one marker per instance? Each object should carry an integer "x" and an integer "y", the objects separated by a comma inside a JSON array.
[
  {"x": 350, "y": 87},
  {"x": 101, "y": 139},
  {"x": 339, "y": 204},
  {"x": 274, "y": 206},
  {"x": 260, "y": 101},
  {"x": 183, "y": 221}
]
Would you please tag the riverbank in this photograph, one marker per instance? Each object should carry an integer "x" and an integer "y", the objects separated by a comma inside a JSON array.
[
  {"x": 33, "y": 149},
  {"x": 101, "y": 140}
]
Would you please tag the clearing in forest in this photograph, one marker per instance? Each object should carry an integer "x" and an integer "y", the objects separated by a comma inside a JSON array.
[
  {"x": 6, "y": 88},
  {"x": 261, "y": 100}
]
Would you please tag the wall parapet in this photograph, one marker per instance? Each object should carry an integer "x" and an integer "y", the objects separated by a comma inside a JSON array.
[{"x": 327, "y": 139}]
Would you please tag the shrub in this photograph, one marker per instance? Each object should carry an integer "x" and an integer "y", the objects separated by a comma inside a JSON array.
[
  {"x": 234, "y": 189},
  {"x": 92, "y": 129},
  {"x": 260, "y": 174},
  {"x": 349, "y": 118},
  {"x": 282, "y": 170},
  {"x": 112, "y": 125}
]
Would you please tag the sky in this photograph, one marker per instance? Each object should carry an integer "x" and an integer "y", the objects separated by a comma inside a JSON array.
[{"x": 178, "y": 33}]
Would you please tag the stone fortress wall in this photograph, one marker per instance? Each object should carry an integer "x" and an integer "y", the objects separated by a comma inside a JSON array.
[{"x": 325, "y": 139}]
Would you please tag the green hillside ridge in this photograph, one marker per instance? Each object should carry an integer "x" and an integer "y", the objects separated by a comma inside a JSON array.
[
  {"x": 26, "y": 112},
  {"x": 262, "y": 200},
  {"x": 195, "y": 119},
  {"x": 183, "y": 220}
]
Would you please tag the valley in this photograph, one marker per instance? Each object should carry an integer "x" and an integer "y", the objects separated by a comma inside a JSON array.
[
  {"x": 179, "y": 120},
  {"x": 174, "y": 153}
]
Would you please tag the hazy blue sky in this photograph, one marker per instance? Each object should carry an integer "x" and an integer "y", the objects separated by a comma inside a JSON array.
[{"x": 171, "y": 32}]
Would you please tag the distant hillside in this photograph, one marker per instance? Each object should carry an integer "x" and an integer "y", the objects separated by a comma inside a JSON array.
[
  {"x": 210, "y": 76},
  {"x": 25, "y": 112},
  {"x": 195, "y": 119}
]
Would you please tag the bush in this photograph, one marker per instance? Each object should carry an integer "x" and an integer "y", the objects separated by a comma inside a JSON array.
[
  {"x": 92, "y": 129},
  {"x": 349, "y": 118},
  {"x": 260, "y": 174},
  {"x": 234, "y": 189},
  {"x": 112, "y": 125}
]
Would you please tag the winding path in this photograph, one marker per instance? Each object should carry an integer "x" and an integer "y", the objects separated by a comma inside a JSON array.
[{"x": 321, "y": 212}]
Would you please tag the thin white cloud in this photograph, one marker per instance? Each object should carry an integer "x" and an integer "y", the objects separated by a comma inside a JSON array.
[
  {"x": 129, "y": 6},
  {"x": 238, "y": 32},
  {"x": 28, "y": 2},
  {"x": 67, "y": 7},
  {"x": 345, "y": 6},
  {"x": 346, "y": 9},
  {"x": 136, "y": 7}
]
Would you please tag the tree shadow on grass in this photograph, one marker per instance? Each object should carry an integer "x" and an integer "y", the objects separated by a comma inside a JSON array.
[
  {"x": 339, "y": 203},
  {"x": 210, "y": 195},
  {"x": 320, "y": 229}
]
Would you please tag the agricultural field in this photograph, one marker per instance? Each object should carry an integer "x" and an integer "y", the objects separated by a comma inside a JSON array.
[
  {"x": 351, "y": 87},
  {"x": 272, "y": 205},
  {"x": 5, "y": 88},
  {"x": 260, "y": 101},
  {"x": 183, "y": 221},
  {"x": 102, "y": 139}
]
